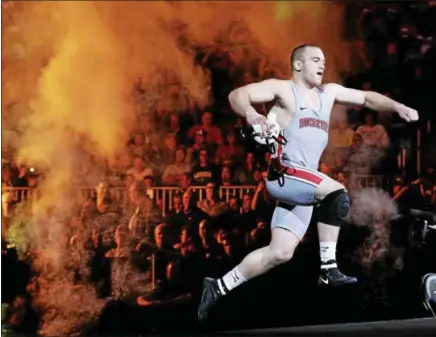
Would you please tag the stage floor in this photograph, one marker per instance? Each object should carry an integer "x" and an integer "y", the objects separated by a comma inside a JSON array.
[{"x": 412, "y": 327}]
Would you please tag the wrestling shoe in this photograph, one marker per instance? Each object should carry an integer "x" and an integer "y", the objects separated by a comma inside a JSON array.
[
  {"x": 332, "y": 276},
  {"x": 210, "y": 295}
]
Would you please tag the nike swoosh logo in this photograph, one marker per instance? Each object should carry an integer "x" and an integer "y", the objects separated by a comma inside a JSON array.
[
  {"x": 301, "y": 108},
  {"x": 324, "y": 281}
]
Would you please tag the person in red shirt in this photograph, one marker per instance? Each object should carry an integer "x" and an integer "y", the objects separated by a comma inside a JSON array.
[{"x": 213, "y": 133}]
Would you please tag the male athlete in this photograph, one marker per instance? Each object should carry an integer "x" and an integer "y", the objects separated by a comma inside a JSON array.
[{"x": 303, "y": 107}]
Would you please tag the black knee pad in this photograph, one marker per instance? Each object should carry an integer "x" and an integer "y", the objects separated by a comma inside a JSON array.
[{"x": 334, "y": 208}]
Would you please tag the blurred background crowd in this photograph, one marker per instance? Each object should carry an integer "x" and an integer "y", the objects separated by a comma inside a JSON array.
[{"x": 190, "y": 201}]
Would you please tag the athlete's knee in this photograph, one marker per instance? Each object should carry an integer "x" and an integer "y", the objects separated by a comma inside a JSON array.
[
  {"x": 327, "y": 187},
  {"x": 334, "y": 208},
  {"x": 279, "y": 255}
]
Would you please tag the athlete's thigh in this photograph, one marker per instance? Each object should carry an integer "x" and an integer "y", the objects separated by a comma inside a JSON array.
[
  {"x": 327, "y": 186},
  {"x": 296, "y": 187},
  {"x": 294, "y": 219}
]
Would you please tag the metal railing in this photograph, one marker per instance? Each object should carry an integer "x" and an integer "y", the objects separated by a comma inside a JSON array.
[
  {"x": 164, "y": 196},
  {"x": 386, "y": 183}
]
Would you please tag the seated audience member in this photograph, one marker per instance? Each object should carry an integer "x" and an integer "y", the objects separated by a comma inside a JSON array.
[
  {"x": 230, "y": 150},
  {"x": 208, "y": 245},
  {"x": 227, "y": 176},
  {"x": 211, "y": 205},
  {"x": 213, "y": 133},
  {"x": 176, "y": 170},
  {"x": 145, "y": 214},
  {"x": 373, "y": 134},
  {"x": 137, "y": 146},
  {"x": 193, "y": 152},
  {"x": 203, "y": 171},
  {"x": 139, "y": 170},
  {"x": 245, "y": 175},
  {"x": 121, "y": 239},
  {"x": 167, "y": 153}
]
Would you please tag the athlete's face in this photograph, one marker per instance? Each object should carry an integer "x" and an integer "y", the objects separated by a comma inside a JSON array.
[{"x": 313, "y": 65}]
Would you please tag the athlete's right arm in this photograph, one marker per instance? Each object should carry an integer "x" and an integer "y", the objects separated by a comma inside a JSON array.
[{"x": 241, "y": 99}]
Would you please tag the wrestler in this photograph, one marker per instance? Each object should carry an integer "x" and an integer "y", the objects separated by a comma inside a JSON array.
[{"x": 303, "y": 107}]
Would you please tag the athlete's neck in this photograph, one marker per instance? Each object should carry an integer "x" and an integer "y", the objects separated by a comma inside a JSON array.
[{"x": 303, "y": 84}]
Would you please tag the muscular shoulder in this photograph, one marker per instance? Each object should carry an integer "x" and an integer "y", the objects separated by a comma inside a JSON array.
[
  {"x": 263, "y": 91},
  {"x": 332, "y": 89},
  {"x": 278, "y": 85}
]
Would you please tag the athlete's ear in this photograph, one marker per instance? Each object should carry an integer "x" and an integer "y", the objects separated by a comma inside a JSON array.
[{"x": 297, "y": 65}]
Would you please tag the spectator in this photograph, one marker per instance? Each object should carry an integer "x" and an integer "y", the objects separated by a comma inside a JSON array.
[
  {"x": 175, "y": 129},
  {"x": 247, "y": 219},
  {"x": 359, "y": 161},
  {"x": 211, "y": 205},
  {"x": 145, "y": 215},
  {"x": 176, "y": 204},
  {"x": 121, "y": 249},
  {"x": 174, "y": 172},
  {"x": 139, "y": 171},
  {"x": 227, "y": 178},
  {"x": 230, "y": 151},
  {"x": 160, "y": 112},
  {"x": 258, "y": 176},
  {"x": 7, "y": 176},
  {"x": 211, "y": 250},
  {"x": 233, "y": 204},
  {"x": 374, "y": 135},
  {"x": 245, "y": 176},
  {"x": 103, "y": 203},
  {"x": 204, "y": 171},
  {"x": 117, "y": 168},
  {"x": 129, "y": 179},
  {"x": 340, "y": 138},
  {"x": 186, "y": 246},
  {"x": 138, "y": 147},
  {"x": 185, "y": 181},
  {"x": 99, "y": 265},
  {"x": 193, "y": 153},
  {"x": 161, "y": 248},
  {"x": 190, "y": 212},
  {"x": 167, "y": 153},
  {"x": 213, "y": 133}
]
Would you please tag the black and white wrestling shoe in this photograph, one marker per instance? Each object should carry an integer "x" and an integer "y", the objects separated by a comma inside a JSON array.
[
  {"x": 331, "y": 276},
  {"x": 210, "y": 295}
]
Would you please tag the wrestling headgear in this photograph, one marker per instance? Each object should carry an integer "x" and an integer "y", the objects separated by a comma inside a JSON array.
[{"x": 270, "y": 136}]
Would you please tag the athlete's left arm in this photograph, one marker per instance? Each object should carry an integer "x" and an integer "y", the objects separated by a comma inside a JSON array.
[{"x": 371, "y": 100}]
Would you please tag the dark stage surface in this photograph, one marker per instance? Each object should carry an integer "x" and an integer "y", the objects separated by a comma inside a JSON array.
[{"x": 412, "y": 327}]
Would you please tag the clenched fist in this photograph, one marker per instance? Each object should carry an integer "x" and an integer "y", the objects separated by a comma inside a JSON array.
[{"x": 408, "y": 114}]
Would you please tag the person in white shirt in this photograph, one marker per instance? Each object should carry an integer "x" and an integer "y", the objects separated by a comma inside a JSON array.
[
  {"x": 139, "y": 171},
  {"x": 373, "y": 134},
  {"x": 175, "y": 171}
]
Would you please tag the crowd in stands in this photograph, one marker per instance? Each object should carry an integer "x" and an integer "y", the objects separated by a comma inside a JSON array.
[{"x": 208, "y": 233}]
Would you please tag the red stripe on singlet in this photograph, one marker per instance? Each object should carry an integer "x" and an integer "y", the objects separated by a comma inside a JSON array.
[
  {"x": 295, "y": 172},
  {"x": 305, "y": 175}
]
